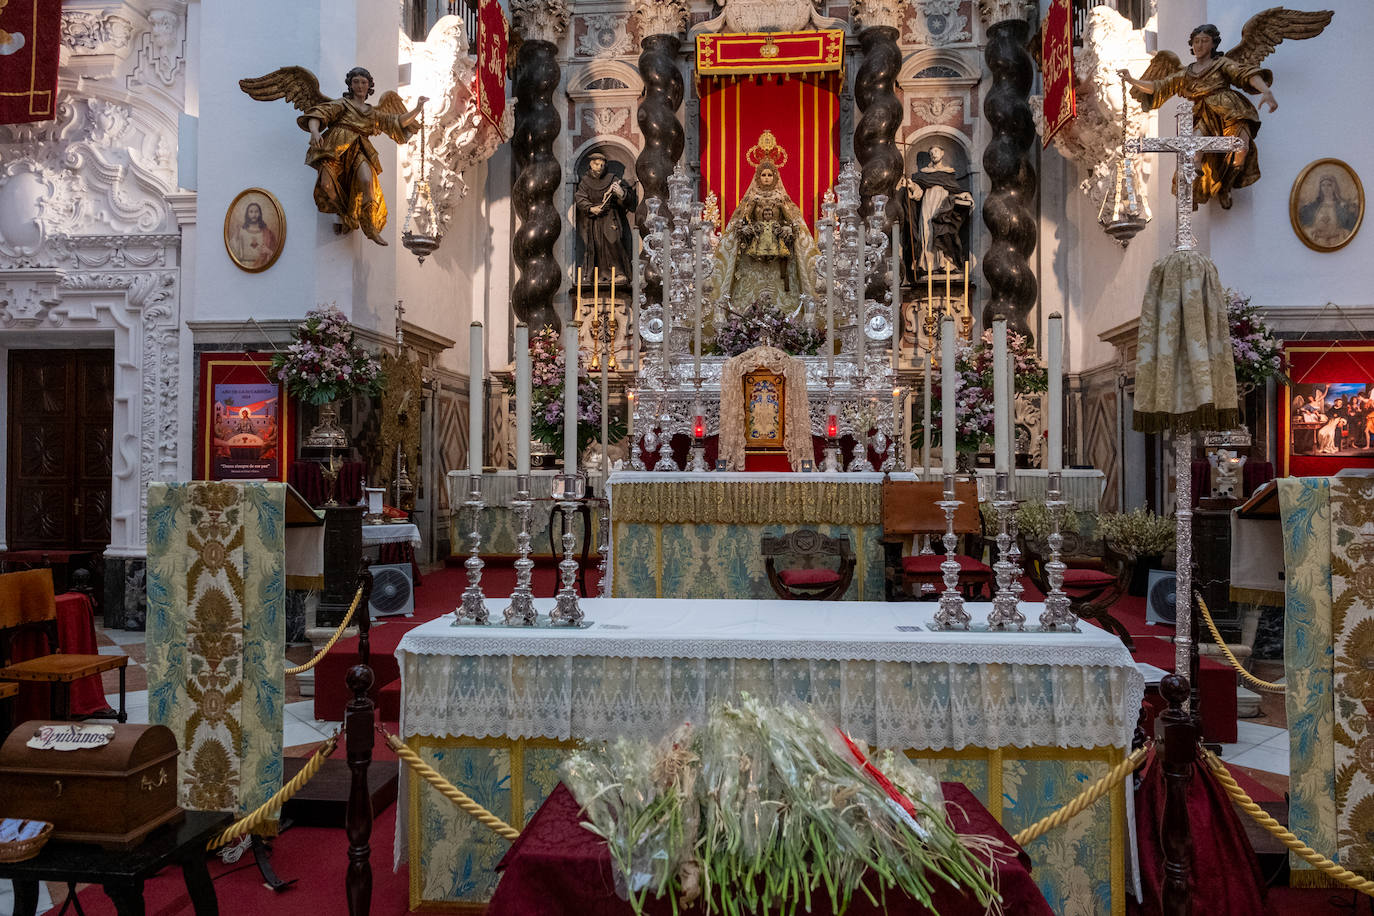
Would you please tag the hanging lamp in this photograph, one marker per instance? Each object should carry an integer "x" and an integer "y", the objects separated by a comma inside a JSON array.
[
  {"x": 1121, "y": 214},
  {"x": 420, "y": 234}
]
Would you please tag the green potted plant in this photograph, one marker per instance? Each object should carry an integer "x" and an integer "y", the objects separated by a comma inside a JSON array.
[{"x": 1140, "y": 535}]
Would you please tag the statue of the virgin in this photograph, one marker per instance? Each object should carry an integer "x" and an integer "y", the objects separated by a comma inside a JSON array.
[{"x": 766, "y": 250}]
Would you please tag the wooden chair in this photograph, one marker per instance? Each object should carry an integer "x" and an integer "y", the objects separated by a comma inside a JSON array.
[
  {"x": 910, "y": 511},
  {"x": 813, "y": 583},
  {"x": 1094, "y": 580},
  {"x": 8, "y": 691},
  {"x": 27, "y": 603}
]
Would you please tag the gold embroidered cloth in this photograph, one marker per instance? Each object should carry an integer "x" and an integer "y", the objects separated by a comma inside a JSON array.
[
  {"x": 731, "y": 502},
  {"x": 797, "y": 422}
]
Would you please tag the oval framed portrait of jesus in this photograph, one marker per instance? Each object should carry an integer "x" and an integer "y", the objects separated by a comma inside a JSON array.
[{"x": 254, "y": 230}]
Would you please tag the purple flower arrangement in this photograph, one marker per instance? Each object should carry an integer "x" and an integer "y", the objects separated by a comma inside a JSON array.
[
  {"x": 762, "y": 322},
  {"x": 546, "y": 396},
  {"x": 1258, "y": 355},
  {"x": 974, "y": 401},
  {"x": 325, "y": 362}
]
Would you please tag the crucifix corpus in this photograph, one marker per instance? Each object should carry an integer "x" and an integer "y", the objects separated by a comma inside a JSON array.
[{"x": 1179, "y": 388}]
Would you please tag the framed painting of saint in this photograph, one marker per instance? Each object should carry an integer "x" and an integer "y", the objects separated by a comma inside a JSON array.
[
  {"x": 1326, "y": 205},
  {"x": 765, "y": 403},
  {"x": 254, "y": 230}
]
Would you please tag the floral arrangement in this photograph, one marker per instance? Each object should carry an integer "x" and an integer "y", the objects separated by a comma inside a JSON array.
[
  {"x": 973, "y": 402},
  {"x": 325, "y": 362},
  {"x": 1032, "y": 519},
  {"x": 764, "y": 807},
  {"x": 762, "y": 322},
  {"x": 1137, "y": 534},
  {"x": 1258, "y": 355},
  {"x": 546, "y": 397}
]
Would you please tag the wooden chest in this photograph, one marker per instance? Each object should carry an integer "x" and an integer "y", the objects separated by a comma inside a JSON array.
[{"x": 113, "y": 794}]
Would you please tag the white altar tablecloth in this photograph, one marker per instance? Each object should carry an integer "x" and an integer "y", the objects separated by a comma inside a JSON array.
[
  {"x": 874, "y": 668},
  {"x": 405, "y": 533}
]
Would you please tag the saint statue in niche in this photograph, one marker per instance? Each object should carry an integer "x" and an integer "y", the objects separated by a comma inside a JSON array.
[
  {"x": 603, "y": 230},
  {"x": 348, "y": 167},
  {"x": 766, "y": 250},
  {"x": 1210, "y": 83},
  {"x": 937, "y": 207}
]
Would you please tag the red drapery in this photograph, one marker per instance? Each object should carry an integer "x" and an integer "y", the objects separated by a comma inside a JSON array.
[
  {"x": 803, "y": 112},
  {"x": 29, "y": 46}
]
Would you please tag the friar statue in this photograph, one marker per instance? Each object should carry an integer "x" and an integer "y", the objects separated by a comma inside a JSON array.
[
  {"x": 937, "y": 207},
  {"x": 603, "y": 200}
]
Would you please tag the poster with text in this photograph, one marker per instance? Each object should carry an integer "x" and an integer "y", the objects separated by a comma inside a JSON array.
[{"x": 246, "y": 423}]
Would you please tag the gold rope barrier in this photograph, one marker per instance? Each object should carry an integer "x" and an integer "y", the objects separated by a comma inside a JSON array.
[
  {"x": 1235, "y": 663},
  {"x": 1083, "y": 799},
  {"x": 448, "y": 789},
  {"x": 1307, "y": 853},
  {"x": 246, "y": 824},
  {"x": 338, "y": 634}
]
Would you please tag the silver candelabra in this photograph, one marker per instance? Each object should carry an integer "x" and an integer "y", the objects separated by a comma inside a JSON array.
[
  {"x": 474, "y": 605},
  {"x": 1005, "y": 612},
  {"x": 520, "y": 612},
  {"x": 952, "y": 615},
  {"x": 603, "y": 547},
  {"x": 566, "y": 611},
  {"x": 1057, "y": 612}
]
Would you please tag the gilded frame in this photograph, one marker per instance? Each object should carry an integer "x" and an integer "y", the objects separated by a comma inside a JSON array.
[
  {"x": 1342, "y": 220},
  {"x": 239, "y": 244}
]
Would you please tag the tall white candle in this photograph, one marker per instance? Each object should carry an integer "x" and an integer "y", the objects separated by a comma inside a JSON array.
[
  {"x": 1054, "y": 346},
  {"x": 636, "y": 288},
  {"x": 896, "y": 286},
  {"x": 925, "y": 413},
  {"x": 948, "y": 429},
  {"x": 476, "y": 385},
  {"x": 605, "y": 385},
  {"x": 862, "y": 270},
  {"x": 830, "y": 293},
  {"x": 697, "y": 295},
  {"x": 522, "y": 399},
  {"x": 570, "y": 336},
  {"x": 1001, "y": 397}
]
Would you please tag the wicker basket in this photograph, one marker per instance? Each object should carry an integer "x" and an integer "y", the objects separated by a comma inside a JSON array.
[{"x": 19, "y": 850}]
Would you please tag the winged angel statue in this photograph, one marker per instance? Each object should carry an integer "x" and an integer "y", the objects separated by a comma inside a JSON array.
[
  {"x": 1210, "y": 83},
  {"x": 340, "y": 152}
]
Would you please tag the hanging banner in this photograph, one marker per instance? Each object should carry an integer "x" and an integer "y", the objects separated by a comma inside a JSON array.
[
  {"x": 800, "y": 114},
  {"x": 1056, "y": 62},
  {"x": 30, "y": 43},
  {"x": 737, "y": 53},
  {"x": 491, "y": 62}
]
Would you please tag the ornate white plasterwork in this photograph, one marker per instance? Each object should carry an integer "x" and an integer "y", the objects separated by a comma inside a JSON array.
[
  {"x": 936, "y": 23},
  {"x": 873, "y": 13},
  {"x": 992, "y": 12},
  {"x": 457, "y": 136},
  {"x": 540, "y": 20},
  {"x": 606, "y": 35},
  {"x": 933, "y": 111},
  {"x": 768, "y": 16},
  {"x": 102, "y": 32},
  {"x": 161, "y": 49},
  {"x": 602, "y": 121},
  {"x": 661, "y": 17},
  {"x": 1093, "y": 139}
]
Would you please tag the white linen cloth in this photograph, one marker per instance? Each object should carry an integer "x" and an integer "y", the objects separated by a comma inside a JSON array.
[{"x": 404, "y": 533}]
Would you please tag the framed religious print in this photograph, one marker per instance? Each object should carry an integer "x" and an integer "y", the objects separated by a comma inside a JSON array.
[
  {"x": 254, "y": 230},
  {"x": 1326, "y": 205},
  {"x": 246, "y": 425},
  {"x": 765, "y": 406},
  {"x": 1326, "y": 416}
]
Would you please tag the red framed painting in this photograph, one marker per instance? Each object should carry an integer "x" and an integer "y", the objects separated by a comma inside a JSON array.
[
  {"x": 1326, "y": 416},
  {"x": 246, "y": 425}
]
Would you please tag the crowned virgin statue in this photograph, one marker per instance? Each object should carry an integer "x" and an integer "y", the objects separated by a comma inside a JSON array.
[{"x": 766, "y": 250}]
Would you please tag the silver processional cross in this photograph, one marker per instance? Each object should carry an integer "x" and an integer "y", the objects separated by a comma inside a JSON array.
[{"x": 1187, "y": 145}]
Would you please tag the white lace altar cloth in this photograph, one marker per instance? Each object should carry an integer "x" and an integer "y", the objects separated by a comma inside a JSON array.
[
  {"x": 400, "y": 533},
  {"x": 647, "y": 665}
]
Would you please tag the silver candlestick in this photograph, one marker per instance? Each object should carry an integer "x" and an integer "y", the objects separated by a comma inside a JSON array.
[
  {"x": 1057, "y": 612},
  {"x": 665, "y": 443},
  {"x": 520, "y": 612},
  {"x": 603, "y": 535},
  {"x": 952, "y": 615},
  {"x": 566, "y": 612},
  {"x": 474, "y": 606},
  {"x": 1004, "y": 603}
]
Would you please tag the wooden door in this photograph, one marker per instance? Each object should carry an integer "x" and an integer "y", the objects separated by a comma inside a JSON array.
[{"x": 61, "y": 413}]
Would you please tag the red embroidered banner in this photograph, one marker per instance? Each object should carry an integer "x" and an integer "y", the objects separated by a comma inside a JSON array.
[
  {"x": 29, "y": 46},
  {"x": 491, "y": 62},
  {"x": 802, "y": 112},
  {"x": 1056, "y": 57},
  {"x": 737, "y": 53}
]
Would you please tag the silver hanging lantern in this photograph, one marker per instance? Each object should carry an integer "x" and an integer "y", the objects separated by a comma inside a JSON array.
[
  {"x": 420, "y": 234},
  {"x": 1122, "y": 215}
]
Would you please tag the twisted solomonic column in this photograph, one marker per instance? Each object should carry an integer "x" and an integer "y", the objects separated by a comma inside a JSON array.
[
  {"x": 1007, "y": 211},
  {"x": 537, "y": 172},
  {"x": 661, "y": 22},
  {"x": 875, "y": 92}
]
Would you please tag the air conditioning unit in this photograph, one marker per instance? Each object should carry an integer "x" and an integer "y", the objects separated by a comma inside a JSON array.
[
  {"x": 1160, "y": 597},
  {"x": 393, "y": 591}
]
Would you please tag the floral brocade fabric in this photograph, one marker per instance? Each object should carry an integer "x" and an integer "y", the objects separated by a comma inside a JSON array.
[{"x": 216, "y": 636}]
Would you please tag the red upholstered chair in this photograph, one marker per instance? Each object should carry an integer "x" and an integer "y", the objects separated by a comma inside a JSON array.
[
  {"x": 910, "y": 511},
  {"x": 808, "y": 582},
  {"x": 1094, "y": 580}
]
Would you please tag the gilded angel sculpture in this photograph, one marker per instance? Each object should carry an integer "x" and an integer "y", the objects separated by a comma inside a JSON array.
[
  {"x": 1210, "y": 83},
  {"x": 346, "y": 161}
]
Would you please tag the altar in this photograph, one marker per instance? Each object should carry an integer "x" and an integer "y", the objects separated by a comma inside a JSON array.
[{"x": 1025, "y": 720}]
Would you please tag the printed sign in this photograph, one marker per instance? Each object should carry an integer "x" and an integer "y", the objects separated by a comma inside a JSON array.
[{"x": 71, "y": 737}]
